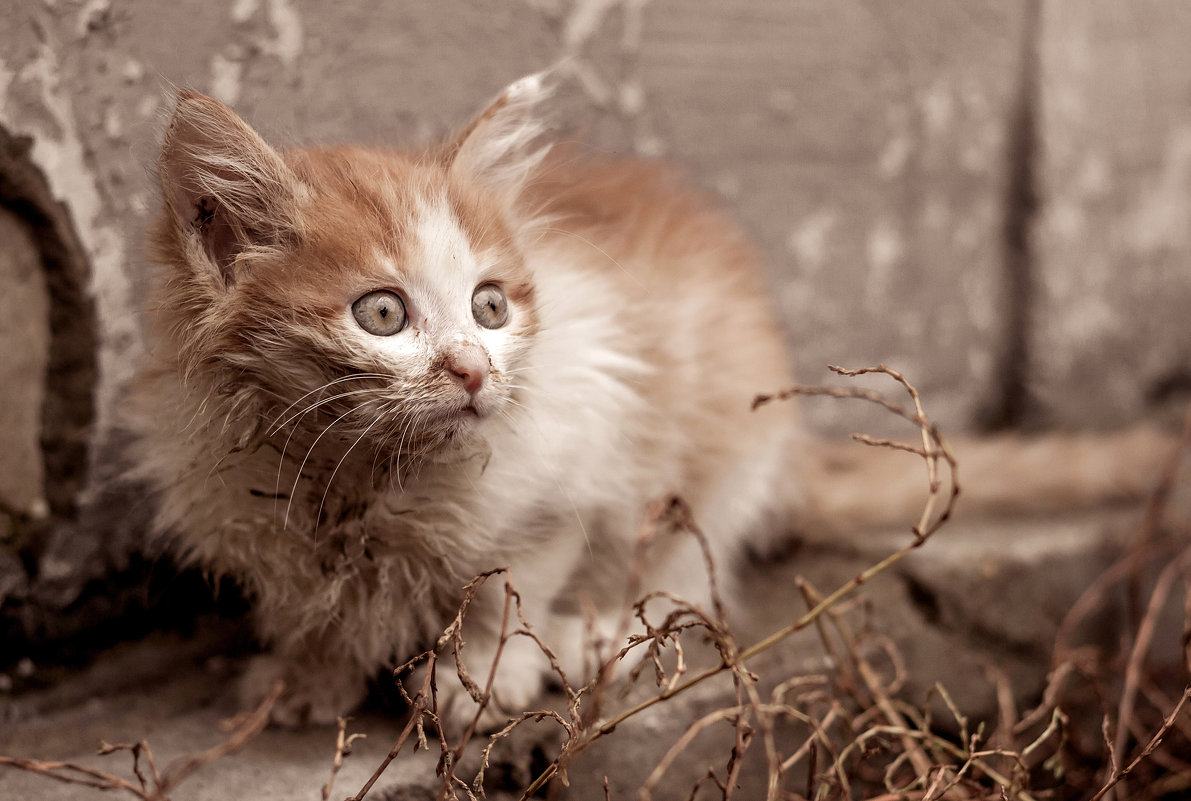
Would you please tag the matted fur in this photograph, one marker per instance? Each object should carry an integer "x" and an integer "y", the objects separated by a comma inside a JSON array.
[{"x": 340, "y": 477}]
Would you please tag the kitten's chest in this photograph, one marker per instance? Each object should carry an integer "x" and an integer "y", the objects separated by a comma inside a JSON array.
[{"x": 437, "y": 510}]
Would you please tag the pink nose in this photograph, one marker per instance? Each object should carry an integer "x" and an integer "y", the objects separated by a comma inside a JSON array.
[{"x": 469, "y": 365}]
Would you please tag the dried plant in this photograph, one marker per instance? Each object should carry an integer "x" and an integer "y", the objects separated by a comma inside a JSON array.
[
  {"x": 750, "y": 714},
  {"x": 844, "y": 733},
  {"x": 156, "y": 786}
]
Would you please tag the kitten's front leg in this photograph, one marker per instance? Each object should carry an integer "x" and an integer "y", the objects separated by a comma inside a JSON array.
[{"x": 518, "y": 669}]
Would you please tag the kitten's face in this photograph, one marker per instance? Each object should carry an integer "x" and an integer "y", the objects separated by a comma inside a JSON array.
[
  {"x": 400, "y": 313},
  {"x": 358, "y": 295}
]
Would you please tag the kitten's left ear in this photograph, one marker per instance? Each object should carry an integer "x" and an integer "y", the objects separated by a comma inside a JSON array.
[{"x": 502, "y": 146}]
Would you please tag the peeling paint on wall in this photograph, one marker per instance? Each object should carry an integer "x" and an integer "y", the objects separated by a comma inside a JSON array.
[
  {"x": 809, "y": 240},
  {"x": 6, "y": 76},
  {"x": 225, "y": 79},
  {"x": 59, "y": 152},
  {"x": 619, "y": 86},
  {"x": 91, "y": 14},
  {"x": 287, "y": 26},
  {"x": 894, "y": 156},
  {"x": 243, "y": 10},
  {"x": 284, "y": 42},
  {"x": 884, "y": 248},
  {"x": 938, "y": 109},
  {"x": 1162, "y": 217}
]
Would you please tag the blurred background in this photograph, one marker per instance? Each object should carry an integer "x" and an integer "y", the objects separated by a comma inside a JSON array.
[{"x": 993, "y": 197}]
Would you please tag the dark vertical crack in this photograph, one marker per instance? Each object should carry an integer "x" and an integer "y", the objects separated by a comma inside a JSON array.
[{"x": 1009, "y": 404}]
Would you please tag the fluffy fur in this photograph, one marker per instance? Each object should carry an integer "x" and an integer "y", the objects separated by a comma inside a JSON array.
[{"x": 351, "y": 483}]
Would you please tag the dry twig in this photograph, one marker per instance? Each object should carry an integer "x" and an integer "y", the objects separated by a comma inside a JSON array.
[{"x": 158, "y": 786}]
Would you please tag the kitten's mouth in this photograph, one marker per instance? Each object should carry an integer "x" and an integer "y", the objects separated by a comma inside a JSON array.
[
  {"x": 459, "y": 424},
  {"x": 461, "y": 418}
]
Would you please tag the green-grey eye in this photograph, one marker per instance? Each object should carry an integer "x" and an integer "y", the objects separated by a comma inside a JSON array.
[
  {"x": 381, "y": 313},
  {"x": 489, "y": 306}
]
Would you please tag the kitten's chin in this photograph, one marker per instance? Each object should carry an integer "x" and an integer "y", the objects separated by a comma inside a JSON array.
[
  {"x": 463, "y": 439},
  {"x": 462, "y": 423},
  {"x": 457, "y": 424}
]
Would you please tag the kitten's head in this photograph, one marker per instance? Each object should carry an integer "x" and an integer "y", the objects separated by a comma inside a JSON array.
[{"x": 348, "y": 293}]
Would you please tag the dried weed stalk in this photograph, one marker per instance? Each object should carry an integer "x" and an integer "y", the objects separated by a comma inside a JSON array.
[
  {"x": 155, "y": 786},
  {"x": 1115, "y": 682},
  {"x": 842, "y": 734},
  {"x": 752, "y": 717}
]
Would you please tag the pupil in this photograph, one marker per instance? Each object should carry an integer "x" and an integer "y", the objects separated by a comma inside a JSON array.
[{"x": 384, "y": 311}]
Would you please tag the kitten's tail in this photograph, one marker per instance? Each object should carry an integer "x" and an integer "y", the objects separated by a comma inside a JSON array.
[{"x": 851, "y": 487}]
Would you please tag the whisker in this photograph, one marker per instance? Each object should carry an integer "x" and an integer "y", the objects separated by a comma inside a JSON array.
[
  {"x": 396, "y": 468},
  {"x": 329, "y": 384},
  {"x": 288, "y": 439},
  {"x": 418, "y": 455},
  {"x": 301, "y": 467},
  {"x": 596, "y": 248},
  {"x": 382, "y": 414},
  {"x": 330, "y": 479},
  {"x": 278, "y": 426}
]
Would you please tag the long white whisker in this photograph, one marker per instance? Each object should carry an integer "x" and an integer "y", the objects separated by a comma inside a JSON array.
[
  {"x": 596, "y": 248},
  {"x": 383, "y": 414},
  {"x": 330, "y": 479},
  {"x": 301, "y": 467},
  {"x": 290, "y": 437},
  {"x": 396, "y": 468},
  {"x": 329, "y": 384},
  {"x": 324, "y": 401},
  {"x": 417, "y": 456}
]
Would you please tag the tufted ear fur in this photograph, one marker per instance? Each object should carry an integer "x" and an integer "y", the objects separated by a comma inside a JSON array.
[
  {"x": 228, "y": 192},
  {"x": 501, "y": 147}
]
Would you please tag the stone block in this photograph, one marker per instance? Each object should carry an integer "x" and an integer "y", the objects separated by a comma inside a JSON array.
[
  {"x": 865, "y": 146},
  {"x": 1112, "y": 336}
]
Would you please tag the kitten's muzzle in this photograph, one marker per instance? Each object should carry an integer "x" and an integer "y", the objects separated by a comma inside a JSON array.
[{"x": 468, "y": 364}]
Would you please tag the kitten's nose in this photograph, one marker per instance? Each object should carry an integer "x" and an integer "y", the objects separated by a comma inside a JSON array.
[{"x": 469, "y": 365}]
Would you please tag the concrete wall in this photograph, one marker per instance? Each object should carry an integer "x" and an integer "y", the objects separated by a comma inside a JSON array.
[{"x": 993, "y": 196}]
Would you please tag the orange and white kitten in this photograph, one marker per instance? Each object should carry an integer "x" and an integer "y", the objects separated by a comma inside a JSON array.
[{"x": 379, "y": 373}]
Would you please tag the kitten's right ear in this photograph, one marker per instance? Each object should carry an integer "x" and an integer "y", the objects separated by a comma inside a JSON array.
[{"x": 227, "y": 190}]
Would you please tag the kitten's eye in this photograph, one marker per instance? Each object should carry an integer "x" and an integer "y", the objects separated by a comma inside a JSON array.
[
  {"x": 381, "y": 313},
  {"x": 489, "y": 306}
]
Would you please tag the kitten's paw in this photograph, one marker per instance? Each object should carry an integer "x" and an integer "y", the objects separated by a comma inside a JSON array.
[
  {"x": 521, "y": 676},
  {"x": 313, "y": 694}
]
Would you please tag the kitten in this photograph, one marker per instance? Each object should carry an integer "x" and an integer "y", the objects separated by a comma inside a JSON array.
[{"x": 380, "y": 373}]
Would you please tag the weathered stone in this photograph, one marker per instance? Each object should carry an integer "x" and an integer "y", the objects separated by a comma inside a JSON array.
[
  {"x": 24, "y": 342},
  {"x": 1112, "y": 336},
  {"x": 178, "y": 705},
  {"x": 865, "y": 146},
  {"x": 47, "y": 337}
]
